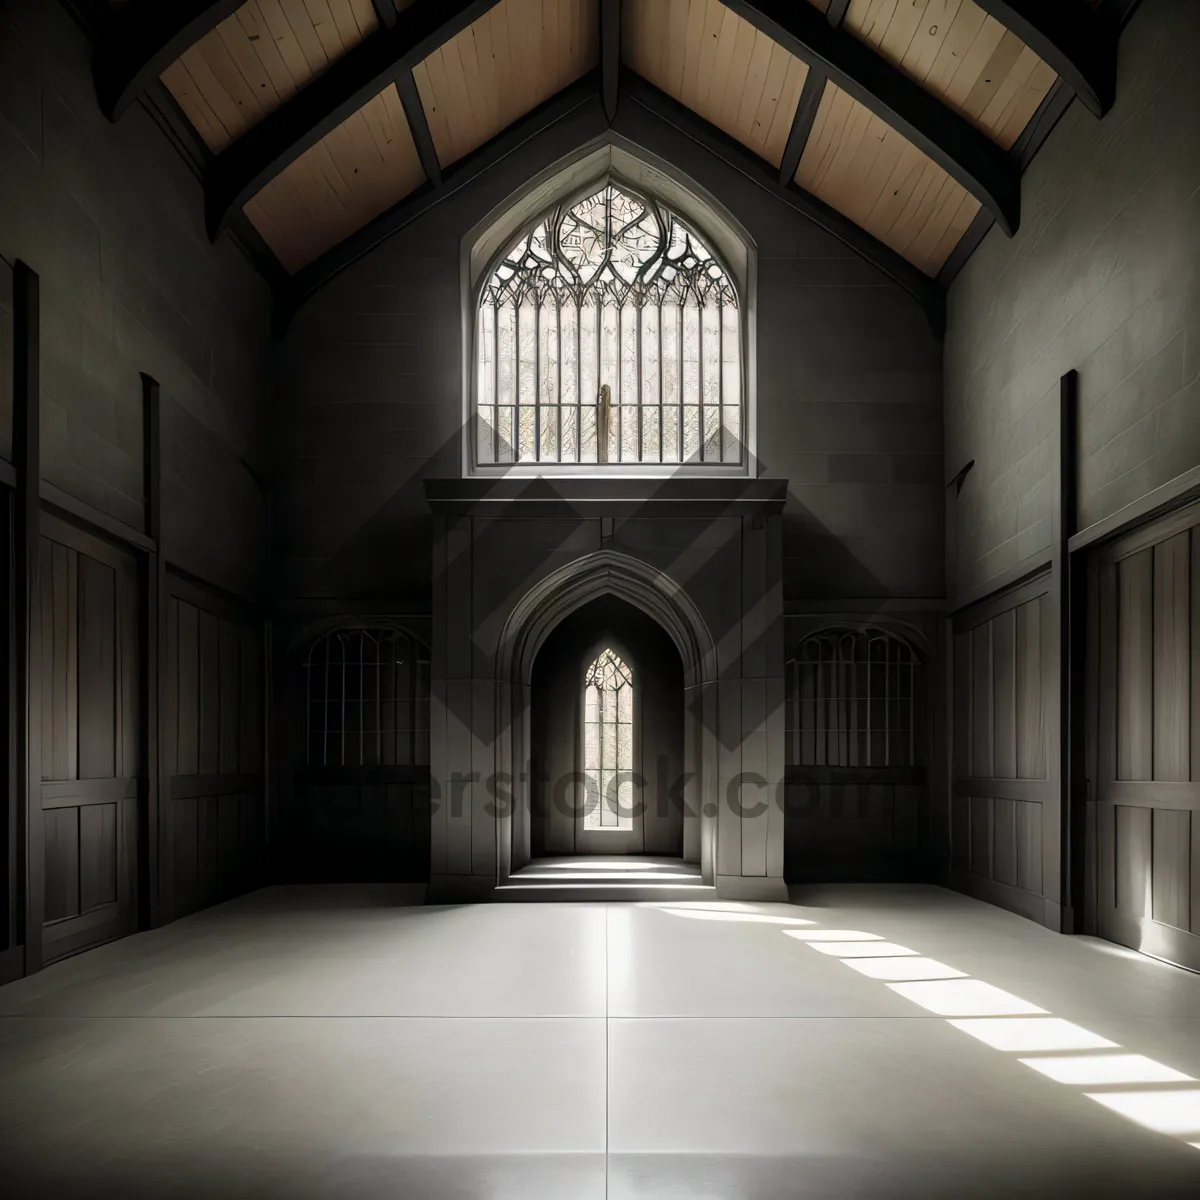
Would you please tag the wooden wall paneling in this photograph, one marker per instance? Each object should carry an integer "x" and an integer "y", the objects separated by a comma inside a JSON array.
[
  {"x": 1171, "y": 666},
  {"x": 706, "y": 56},
  {"x": 1004, "y": 841},
  {"x": 1170, "y": 857},
  {"x": 982, "y": 689},
  {"x": 1031, "y": 716},
  {"x": 503, "y": 65},
  {"x": 26, "y": 692},
  {"x": 88, "y": 642},
  {"x": 966, "y": 58},
  {"x": 1004, "y": 694},
  {"x": 1030, "y": 856},
  {"x": 1147, "y": 868},
  {"x": 1135, "y": 659},
  {"x": 980, "y": 856}
]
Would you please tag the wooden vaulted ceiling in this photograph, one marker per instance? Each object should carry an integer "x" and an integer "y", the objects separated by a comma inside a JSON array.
[{"x": 898, "y": 121}]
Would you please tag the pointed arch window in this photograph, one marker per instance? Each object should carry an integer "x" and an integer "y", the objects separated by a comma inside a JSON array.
[
  {"x": 609, "y": 334},
  {"x": 608, "y": 743}
]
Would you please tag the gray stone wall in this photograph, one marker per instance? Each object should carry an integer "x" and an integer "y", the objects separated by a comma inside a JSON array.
[
  {"x": 1103, "y": 277},
  {"x": 849, "y": 395},
  {"x": 111, "y": 218}
]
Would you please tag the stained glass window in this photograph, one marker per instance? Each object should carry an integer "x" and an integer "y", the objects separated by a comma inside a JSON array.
[
  {"x": 608, "y": 743},
  {"x": 609, "y": 334}
]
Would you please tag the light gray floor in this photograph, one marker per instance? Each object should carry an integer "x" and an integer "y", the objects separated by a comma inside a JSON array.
[{"x": 309, "y": 1043}]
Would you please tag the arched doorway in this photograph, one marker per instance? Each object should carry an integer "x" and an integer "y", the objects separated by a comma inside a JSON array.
[
  {"x": 606, "y": 736},
  {"x": 530, "y": 625}
]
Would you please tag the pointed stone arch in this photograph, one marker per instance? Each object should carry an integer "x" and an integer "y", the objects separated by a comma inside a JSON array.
[{"x": 530, "y": 622}]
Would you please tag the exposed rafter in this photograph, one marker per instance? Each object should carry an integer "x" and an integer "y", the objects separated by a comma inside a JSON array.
[
  {"x": 586, "y": 91},
  {"x": 743, "y": 160},
  {"x": 414, "y": 112},
  {"x": 836, "y": 12},
  {"x": 802, "y": 123},
  {"x": 357, "y": 77},
  {"x": 610, "y": 55},
  {"x": 385, "y": 12},
  {"x": 1073, "y": 37},
  {"x": 966, "y": 154},
  {"x": 312, "y": 278},
  {"x": 145, "y": 37}
]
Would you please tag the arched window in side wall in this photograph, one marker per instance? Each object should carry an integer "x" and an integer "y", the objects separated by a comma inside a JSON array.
[
  {"x": 609, "y": 334},
  {"x": 367, "y": 700},
  {"x": 851, "y": 700}
]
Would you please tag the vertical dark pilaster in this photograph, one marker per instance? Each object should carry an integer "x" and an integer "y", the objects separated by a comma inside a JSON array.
[
  {"x": 1070, "y": 597},
  {"x": 26, "y": 536},
  {"x": 153, "y": 657}
]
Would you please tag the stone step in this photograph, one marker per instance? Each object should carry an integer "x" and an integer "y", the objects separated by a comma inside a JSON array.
[{"x": 557, "y": 891}]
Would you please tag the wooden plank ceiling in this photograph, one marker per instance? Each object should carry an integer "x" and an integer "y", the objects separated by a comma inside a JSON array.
[{"x": 519, "y": 53}]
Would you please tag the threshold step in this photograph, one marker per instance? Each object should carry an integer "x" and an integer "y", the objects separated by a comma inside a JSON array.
[{"x": 551, "y": 893}]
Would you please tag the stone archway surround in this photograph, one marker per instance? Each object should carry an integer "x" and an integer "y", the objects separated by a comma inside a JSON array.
[
  {"x": 536, "y": 614},
  {"x": 701, "y": 558}
]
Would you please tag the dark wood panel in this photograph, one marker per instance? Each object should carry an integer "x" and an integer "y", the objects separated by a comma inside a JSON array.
[
  {"x": 1004, "y": 841},
  {"x": 98, "y": 697},
  {"x": 214, "y": 684},
  {"x": 1171, "y": 668},
  {"x": 1004, "y": 694},
  {"x": 98, "y": 855},
  {"x": 960, "y": 833},
  {"x": 61, "y": 839},
  {"x": 1171, "y": 867},
  {"x": 187, "y": 689},
  {"x": 1134, "y": 850},
  {"x": 980, "y": 860},
  {"x": 1144, "y": 665},
  {"x": 1135, "y": 664},
  {"x": 962, "y": 704},
  {"x": 1030, "y": 817},
  {"x": 981, "y": 701},
  {"x": 87, "y": 661},
  {"x": 229, "y": 697},
  {"x": 1031, "y": 707},
  {"x": 210, "y": 695}
]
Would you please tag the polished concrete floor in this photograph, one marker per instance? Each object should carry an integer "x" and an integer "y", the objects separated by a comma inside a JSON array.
[{"x": 860, "y": 1042}]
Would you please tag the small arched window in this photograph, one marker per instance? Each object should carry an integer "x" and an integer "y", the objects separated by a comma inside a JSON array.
[
  {"x": 608, "y": 743},
  {"x": 367, "y": 699},
  {"x": 609, "y": 334},
  {"x": 851, "y": 700}
]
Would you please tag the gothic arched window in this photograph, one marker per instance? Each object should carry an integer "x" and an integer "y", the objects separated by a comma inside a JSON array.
[
  {"x": 608, "y": 743},
  {"x": 851, "y": 700},
  {"x": 367, "y": 699},
  {"x": 609, "y": 334}
]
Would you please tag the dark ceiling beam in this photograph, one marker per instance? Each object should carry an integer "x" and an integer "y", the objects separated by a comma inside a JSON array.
[
  {"x": 966, "y": 154},
  {"x": 272, "y": 145},
  {"x": 140, "y": 41},
  {"x": 310, "y": 279},
  {"x": 743, "y": 160},
  {"x": 802, "y": 123},
  {"x": 835, "y": 14},
  {"x": 1074, "y": 37},
  {"x": 610, "y": 56},
  {"x": 385, "y": 12},
  {"x": 418, "y": 126}
]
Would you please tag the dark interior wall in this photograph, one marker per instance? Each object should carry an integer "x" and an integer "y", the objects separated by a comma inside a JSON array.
[
  {"x": 849, "y": 394},
  {"x": 111, "y": 218},
  {"x": 1103, "y": 277}
]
